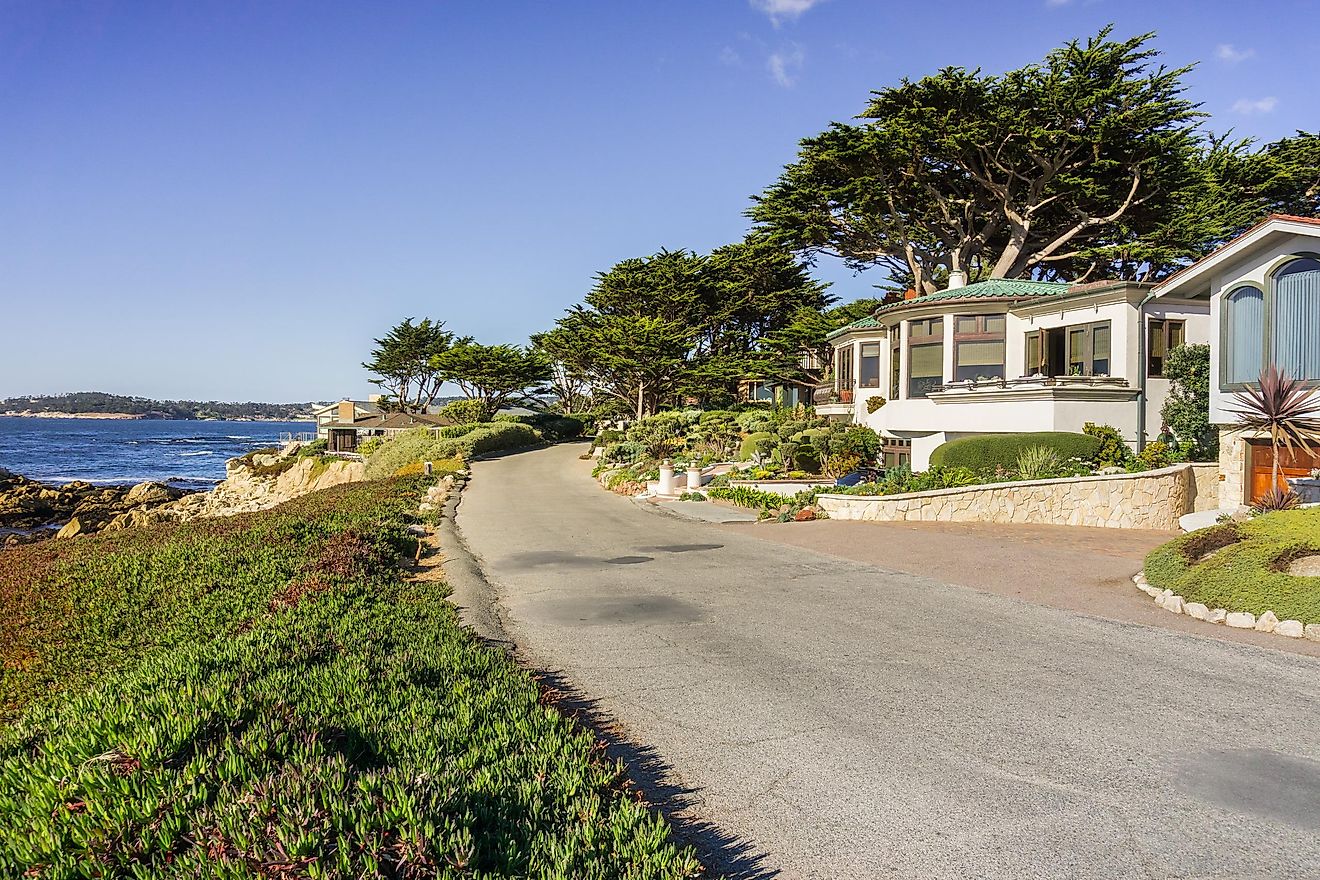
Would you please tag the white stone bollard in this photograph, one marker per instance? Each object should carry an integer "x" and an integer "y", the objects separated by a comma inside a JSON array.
[
  {"x": 693, "y": 479},
  {"x": 666, "y": 477}
]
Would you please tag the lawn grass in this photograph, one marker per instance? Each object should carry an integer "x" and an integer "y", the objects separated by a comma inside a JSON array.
[
  {"x": 268, "y": 697},
  {"x": 1243, "y": 566}
]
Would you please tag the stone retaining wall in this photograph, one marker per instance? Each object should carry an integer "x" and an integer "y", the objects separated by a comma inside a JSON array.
[
  {"x": 1148, "y": 500},
  {"x": 787, "y": 488},
  {"x": 1206, "y": 484}
]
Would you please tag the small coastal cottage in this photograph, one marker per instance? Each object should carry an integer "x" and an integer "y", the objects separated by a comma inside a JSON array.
[
  {"x": 350, "y": 422},
  {"x": 1263, "y": 293},
  {"x": 1005, "y": 356}
]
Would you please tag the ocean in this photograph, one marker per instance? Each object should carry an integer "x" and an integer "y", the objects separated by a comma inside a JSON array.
[{"x": 187, "y": 454}]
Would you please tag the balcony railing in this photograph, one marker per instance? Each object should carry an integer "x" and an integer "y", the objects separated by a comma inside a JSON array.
[
  {"x": 1035, "y": 382},
  {"x": 823, "y": 395}
]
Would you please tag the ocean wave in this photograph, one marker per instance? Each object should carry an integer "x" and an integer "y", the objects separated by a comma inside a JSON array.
[{"x": 199, "y": 452}]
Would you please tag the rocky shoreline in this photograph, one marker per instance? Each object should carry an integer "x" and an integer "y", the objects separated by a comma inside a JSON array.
[{"x": 32, "y": 511}]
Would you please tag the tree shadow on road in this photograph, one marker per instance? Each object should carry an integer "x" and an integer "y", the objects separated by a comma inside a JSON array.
[{"x": 722, "y": 853}]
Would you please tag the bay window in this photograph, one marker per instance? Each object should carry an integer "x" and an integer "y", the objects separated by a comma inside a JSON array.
[{"x": 978, "y": 347}]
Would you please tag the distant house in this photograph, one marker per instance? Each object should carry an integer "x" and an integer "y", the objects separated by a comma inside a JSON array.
[
  {"x": 1005, "y": 356},
  {"x": 347, "y": 423},
  {"x": 1263, "y": 293},
  {"x": 343, "y": 411},
  {"x": 781, "y": 392}
]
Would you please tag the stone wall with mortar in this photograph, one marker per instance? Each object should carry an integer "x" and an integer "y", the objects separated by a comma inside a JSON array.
[
  {"x": 1206, "y": 482},
  {"x": 1233, "y": 465},
  {"x": 1149, "y": 500}
]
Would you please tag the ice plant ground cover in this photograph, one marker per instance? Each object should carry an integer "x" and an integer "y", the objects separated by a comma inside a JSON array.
[
  {"x": 1245, "y": 566},
  {"x": 269, "y": 696}
]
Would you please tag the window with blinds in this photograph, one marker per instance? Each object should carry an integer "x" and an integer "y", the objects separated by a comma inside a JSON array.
[
  {"x": 1162, "y": 337},
  {"x": 1296, "y": 339},
  {"x": 925, "y": 356},
  {"x": 868, "y": 368},
  {"x": 1244, "y": 335},
  {"x": 978, "y": 347}
]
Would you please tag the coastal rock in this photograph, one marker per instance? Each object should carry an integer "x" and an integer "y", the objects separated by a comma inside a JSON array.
[
  {"x": 151, "y": 493},
  {"x": 72, "y": 528}
]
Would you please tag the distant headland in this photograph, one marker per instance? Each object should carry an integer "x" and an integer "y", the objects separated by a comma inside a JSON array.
[{"x": 99, "y": 405}]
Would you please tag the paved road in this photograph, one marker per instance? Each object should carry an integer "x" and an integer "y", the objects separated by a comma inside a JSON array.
[{"x": 840, "y": 720}]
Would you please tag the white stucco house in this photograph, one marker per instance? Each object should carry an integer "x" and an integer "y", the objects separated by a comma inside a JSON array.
[
  {"x": 1006, "y": 356},
  {"x": 1263, "y": 293}
]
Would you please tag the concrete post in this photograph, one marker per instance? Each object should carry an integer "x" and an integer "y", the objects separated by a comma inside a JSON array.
[
  {"x": 693, "y": 479},
  {"x": 666, "y": 477}
]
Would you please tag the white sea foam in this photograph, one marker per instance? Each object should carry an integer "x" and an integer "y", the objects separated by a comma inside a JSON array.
[{"x": 201, "y": 452}]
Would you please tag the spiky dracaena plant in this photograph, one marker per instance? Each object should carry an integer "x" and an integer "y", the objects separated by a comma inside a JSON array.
[{"x": 1282, "y": 408}]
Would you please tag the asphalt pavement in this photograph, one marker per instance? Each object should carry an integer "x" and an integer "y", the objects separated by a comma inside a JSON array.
[{"x": 805, "y": 715}]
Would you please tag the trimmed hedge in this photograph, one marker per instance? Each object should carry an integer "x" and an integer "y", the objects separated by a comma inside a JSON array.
[
  {"x": 990, "y": 452},
  {"x": 1244, "y": 566}
]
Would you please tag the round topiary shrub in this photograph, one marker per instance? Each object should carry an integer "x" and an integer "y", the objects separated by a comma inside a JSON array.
[{"x": 751, "y": 443}]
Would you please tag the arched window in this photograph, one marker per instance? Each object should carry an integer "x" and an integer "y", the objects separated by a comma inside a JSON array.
[
  {"x": 1296, "y": 324},
  {"x": 1245, "y": 334}
]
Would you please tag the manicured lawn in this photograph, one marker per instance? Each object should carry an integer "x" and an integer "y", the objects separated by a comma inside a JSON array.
[
  {"x": 1244, "y": 566},
  {"x": 269, "y": 697}
]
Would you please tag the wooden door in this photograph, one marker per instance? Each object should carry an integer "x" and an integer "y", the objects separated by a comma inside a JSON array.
[{"x": 1298, "y": 463}]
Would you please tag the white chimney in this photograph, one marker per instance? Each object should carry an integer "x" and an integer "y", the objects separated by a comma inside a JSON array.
[{"x": 957, "y": 278}]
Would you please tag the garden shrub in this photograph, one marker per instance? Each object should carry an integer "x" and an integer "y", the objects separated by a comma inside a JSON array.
[
  {"x": 1187, "y": 408},
  {"x": 807, "y": 458},
  {"x": 625, "y": 452},
  {"x": 755, "y": 420},
  {"x": 1156, "y": 455},
  {"x": 1037, "y": 463},
  {"x": 1113, "y": 452},
  {"x": 873, "y": 404},
  {"x": 368, "y": 446},
  {"x": 464, "y": 410},
  {"x": 420, "y": 444},
  {"x": 754, "y": 443},
  {"x": 995, "y": 452},
  {"x": 900, "y": 481}
]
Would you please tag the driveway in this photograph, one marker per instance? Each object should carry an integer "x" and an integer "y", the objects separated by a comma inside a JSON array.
[{"x": 837, "y": 719}]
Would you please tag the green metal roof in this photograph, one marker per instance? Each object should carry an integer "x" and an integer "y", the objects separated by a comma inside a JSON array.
[
  {"x": 995, "y": 288},
  {"x": 866, "y": 323}
]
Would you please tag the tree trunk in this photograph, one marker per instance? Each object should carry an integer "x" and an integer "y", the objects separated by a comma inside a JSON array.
[{"x": 641, "y": 398}]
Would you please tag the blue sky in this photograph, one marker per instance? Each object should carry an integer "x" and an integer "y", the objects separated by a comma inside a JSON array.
[{"x": 228, "y": 200}]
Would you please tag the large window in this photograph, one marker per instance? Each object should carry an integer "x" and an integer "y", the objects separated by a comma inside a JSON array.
[
  {"x": 1296, "y": 340},
  {"x": 1076, "y": 350},
  {"x": 843, "y": 368},
  {"x": 1162, "y": 337},
  {"x": 978, "y": 347},
  {"x": 1244, "y": 335},
  {"x": 925, "y": 356},
  {"x": 868, "y": 372},
  {"x": 1088, "y": 349}
]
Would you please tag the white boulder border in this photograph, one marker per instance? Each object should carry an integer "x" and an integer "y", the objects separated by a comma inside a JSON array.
[{"x": 1267, "y": 622}]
